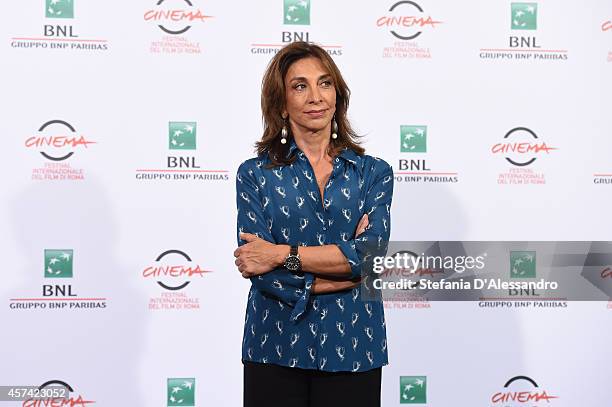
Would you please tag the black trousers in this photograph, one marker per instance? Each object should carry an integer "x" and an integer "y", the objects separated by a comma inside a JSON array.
[{"x": 268, "y": 385}]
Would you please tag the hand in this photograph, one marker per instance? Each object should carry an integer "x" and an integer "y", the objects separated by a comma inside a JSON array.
[
  {"x": 258, "y": 256},
  {"x": 362, "y": 225}
]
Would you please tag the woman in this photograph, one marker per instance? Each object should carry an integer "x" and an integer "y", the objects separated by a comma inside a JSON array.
[{"x": 303, "y": 203}]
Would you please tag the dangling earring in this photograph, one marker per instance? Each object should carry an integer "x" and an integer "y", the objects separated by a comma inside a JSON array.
[
  {"x": 284, "y": 132},
  {"x": 334, "y": 129}
]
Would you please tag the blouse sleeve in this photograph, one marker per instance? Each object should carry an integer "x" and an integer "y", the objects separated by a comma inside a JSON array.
[
  {"x": 279, "y": 283},
  {"x": 378, "y": 207}
]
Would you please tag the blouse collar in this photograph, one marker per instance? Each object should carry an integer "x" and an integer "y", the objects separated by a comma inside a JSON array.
[{"x": 346, "y": 154}]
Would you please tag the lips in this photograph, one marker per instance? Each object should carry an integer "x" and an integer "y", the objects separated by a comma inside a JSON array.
[{"x": 316, "y": 113}]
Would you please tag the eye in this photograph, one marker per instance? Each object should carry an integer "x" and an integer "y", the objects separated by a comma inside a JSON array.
[
  {"x": 299, "y": 86},
  {"x": 326, "y": 83}
]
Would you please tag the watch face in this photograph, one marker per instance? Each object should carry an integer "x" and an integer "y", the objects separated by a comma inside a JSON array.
[{"x": 292, "y": 263}]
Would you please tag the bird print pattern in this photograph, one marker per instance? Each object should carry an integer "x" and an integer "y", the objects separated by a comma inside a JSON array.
[{"x": 285, "y": 323}]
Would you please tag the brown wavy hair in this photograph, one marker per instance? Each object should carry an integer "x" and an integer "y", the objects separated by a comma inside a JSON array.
[{"x": 273, "y": 103}]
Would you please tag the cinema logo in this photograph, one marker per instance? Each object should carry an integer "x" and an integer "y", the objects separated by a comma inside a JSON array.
[
  {"x": 173, "y": 270},
  {"x": 521, "y": 148},
  {"x": 58, "y": 291},
  {"x": 182, "y": 163},
  {"x": 57, "y": 141},
  {"x": 414, "y": 165},
  {"x": 73, "y": 400},
  {"x": 407, "y": 24},
  {"x": 175, "y": 20},
  {"x": 59, "y": 31},
  {"x": 294, "y": 27},
  {"x": 522, "y": 391},
  {"x": 181, "y": 392},
  {"x": 408, "y": 299},
  {"x": 523, "y": 41}
]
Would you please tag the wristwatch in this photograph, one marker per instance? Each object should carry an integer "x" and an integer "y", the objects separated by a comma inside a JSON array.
[{"x": 292, "y": 261}]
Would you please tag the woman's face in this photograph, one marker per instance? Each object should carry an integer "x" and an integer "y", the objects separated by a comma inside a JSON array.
[{"x": 310, "y": 95}]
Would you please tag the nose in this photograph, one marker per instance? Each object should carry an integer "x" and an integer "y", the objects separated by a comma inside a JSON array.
[{"x": 315, "y": 94}]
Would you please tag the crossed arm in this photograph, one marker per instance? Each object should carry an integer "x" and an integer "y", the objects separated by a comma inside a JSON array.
[{"x": 330, "y": 267}]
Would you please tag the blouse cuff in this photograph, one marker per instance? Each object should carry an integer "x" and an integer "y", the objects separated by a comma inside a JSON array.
[
  {"x": 350, "y": 252},
  {"x": 300, "y": 305}
]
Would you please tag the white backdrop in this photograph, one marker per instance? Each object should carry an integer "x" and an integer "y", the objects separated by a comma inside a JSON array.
[{"x": 120, "y": 80}]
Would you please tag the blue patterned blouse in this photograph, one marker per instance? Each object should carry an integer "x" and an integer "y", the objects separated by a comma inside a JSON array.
[{"x": 285, "y": 324}]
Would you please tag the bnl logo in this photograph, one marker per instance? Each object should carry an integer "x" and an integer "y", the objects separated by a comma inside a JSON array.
[
  {"x": 58, "y": 264},
  {"x": 413, "y": 389},
  {"x": 523, "y": 265},
  {"x": 59, "y": 9},
  {"x": 296, "y": 12},
  {"x": 413, "y": 139},
  {"x": 182, "y": 136},
  {"x": 181, "y": 392},
  {"x": 523, "y": 16}
]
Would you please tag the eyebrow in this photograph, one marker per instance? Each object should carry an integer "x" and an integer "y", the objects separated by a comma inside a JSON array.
[{"x": 301, "y": 78}]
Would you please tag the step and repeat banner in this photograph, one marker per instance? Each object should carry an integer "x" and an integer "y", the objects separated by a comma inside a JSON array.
[{"x": 124, "y": 123}]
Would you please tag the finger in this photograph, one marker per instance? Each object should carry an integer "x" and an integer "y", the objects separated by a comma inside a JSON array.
[
  {"x": 358, "y": 229},
  {"x": 237, "y": 262},
  {"x": 237, "y": 252},
  {"x": 249, "y": 237},
  {"x": 365, "y": 221},
  {"x": 362, "y": 225},
  {"x": 245, "y": 272},
  {"x": 365, "y": 224}
]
